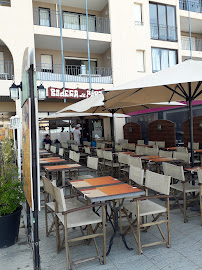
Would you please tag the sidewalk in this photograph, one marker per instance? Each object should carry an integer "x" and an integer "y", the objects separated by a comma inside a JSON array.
[{"x": 185, "y": 252}]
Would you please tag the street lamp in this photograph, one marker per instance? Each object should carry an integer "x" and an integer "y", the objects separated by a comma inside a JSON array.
[{"x": 14, "y": 91}]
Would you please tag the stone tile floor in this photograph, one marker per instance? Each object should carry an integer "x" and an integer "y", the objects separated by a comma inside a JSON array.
[{"x": 185, "y": 252}]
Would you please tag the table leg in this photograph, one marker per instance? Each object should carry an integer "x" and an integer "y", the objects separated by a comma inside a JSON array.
[{"x": 117, "y": 230}]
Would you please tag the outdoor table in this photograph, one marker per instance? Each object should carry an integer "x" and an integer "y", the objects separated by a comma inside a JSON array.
[
  {"x": 192, "y": 170},
  {"x": 109, "y": 193},
  {"x": 171, "y": 148},
  {"x": 162, "y": 159},
  {"x": 45, "y": 154},
  {"x": 52, "y": 161},
  {"x": 150, "y": 157},
  {"x": 145, "y": 145},
  {"x": 94, "y": 182},
  {"x": 62, "y": 169}
]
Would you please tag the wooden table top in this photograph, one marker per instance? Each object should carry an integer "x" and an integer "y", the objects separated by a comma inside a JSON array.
[
  {"x": 150, "y": 157},
  {"x": 43, "y": 150},
  {"x": 45, "y": 154},
  {"x": 194, "y": 169},
  {"x": 111, "y": 192},
  {"x": 52, "y": 161},
  {"x": 171, "y": 148},
  {"x": 198, "y": 151},
  {"x": 163, "y": 159},
  {"x": 94, "y": 182},
  {"x": 49, "y": 158},
  {"x": 61, "y": 167}
]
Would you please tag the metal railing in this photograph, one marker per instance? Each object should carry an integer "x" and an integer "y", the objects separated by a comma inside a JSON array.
[
  {"x": 47, "y": 72},
  {"x": 194, "y": 6},
  {"x": 70, "y": 20},
  {"x": 5, "y": 3},
  {"x": 6, "y": 70},
  {"x": 196, "y": 44},
  {"x": 163, "y": 32}
]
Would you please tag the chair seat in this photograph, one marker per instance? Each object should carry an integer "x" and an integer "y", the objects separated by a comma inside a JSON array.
[
  {"x": 114, "y": 165},
  {"x": 197, "y": 161},
  {"x": 147, "y": 207},
  {"x": 80, "y": 218},
  {"x": 188, "y": 187},
  {"x": 70, "y": 204}
]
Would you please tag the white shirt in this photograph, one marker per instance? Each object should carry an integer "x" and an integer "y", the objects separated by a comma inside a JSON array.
[{"x": 77, "y": 133}]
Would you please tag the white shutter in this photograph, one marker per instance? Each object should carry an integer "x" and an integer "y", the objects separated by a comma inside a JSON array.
[
  {"x": 1, "y": 62},
  {"x": 46, "y": 61},
  {"x": 140, "y": 61},
  {"x": 138, "y": 13}
]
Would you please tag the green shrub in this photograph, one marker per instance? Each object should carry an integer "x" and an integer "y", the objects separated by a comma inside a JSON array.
[{"x": 11, "y": 191}]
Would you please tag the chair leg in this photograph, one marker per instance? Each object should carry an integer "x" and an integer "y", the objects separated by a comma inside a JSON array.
[
  {"x": 66, "y": 244},
  {"x": 185, "y": 203},
  {"x": 104, "y": 235},
  {"x": 46, "y": 220},
  {"x": 57, "y": 234},
  {"x": 138, "y": 229},
  {"x": 200, "y": 194},
  {"x": 168, "y": 218}
]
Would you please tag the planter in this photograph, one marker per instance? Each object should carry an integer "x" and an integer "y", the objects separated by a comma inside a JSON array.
[{"x": 9, "y": 229}]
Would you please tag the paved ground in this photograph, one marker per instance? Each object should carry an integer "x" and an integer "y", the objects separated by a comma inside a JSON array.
[{"x": 185, "y": 252}]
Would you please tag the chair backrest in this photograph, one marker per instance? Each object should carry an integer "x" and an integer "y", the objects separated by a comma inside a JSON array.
[
  {"x": 155, "y": 147},
  {"x": 135, "y": 161},
  {"x": 131, "y": 146},
  {"x": 47, "y": 146},
  {"x": 195, "y": 145},
  {"x": 64, "y": 145},
  {"x": 184, "y": 156},
  {"x": 99, "y": 153},
  {"x": 71, "y": 154},
  {"x": 61, "y": 152},
  {"x": 158, "y": 182},
  {"x": 152, "y": 151},
  {"x": 76, "y": 157},
  {"x": 102, "y": 145},
  {"x": 182, "y": 149},
  {"x": 136, "y": 174},
  {"x": 163, "y": 153},
  {"x": 174, "y": 171},
  {"x": 76, "y": 148},
  {"x": 59, "y": 197},
  {"x": 122, "y": 141},
  {"x": 125, "y": 145},
  {"x": 141, "y": 150},
  {"x": 161, "y": 144},
  {"x": 140, "y": 142},
  {"x": 151, "y": 142},
  {"x": 98, "y": 144},
  {"x": 47, "y": 185},
  {"x": 199, "y": 172},
  {"x": 87, "y": 143},
  {"x": 122, "y": 158},
  {"x": 108, "y": 155},
  {"x": 118, "y": 147},
  {"x": 72, "y": 147},
  {"x": 92, "y": 163},
  {"x": 53, "y": 149},
  {"x": 87, "y": 150}
]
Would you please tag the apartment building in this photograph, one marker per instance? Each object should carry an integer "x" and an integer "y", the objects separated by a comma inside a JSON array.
[{"x": 128, "y": 39}]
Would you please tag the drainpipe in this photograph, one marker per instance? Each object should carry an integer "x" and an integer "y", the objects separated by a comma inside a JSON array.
[{"x": 88, "y": 44}]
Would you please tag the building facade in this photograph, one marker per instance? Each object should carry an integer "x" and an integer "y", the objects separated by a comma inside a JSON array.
[{"x": 128, "y": 39}]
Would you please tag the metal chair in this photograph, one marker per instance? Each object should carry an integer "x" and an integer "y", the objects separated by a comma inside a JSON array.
[
  {"x": 92, "y": 166},
  {"x": 140, "y": 142},
  {"x": 109, "y": 163},
  {"x": 166, "y": 154}
]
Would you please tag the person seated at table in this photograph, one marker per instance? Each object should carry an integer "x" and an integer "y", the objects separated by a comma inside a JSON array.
[
  {"x": 47, "y": 140},
  {"x": 77, "y": 134},
  {"x": 57, "y": 144}
]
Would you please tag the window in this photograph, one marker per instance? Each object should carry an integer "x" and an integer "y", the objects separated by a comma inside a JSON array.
[
  {"x": 140, "y": 61},
  {"x": 46, "y": 63},
  {"x": 163, "y": 58},
  {"x": 77, "y": 21},
  {"x": 44, "y": 17},
  {"x": 138, "y": 14},
  {"x": 162, "y": 22},
  {"x": 1, "y": 63},
  {"x": 77, "y": 66}
]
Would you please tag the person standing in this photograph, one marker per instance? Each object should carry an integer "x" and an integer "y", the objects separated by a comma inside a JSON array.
[{"x": 77, "y": 134}]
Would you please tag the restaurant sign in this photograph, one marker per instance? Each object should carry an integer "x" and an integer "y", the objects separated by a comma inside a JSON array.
[{"x": 71, "y": 93}]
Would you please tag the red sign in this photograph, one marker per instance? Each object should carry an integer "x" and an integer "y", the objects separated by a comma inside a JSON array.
[{"x": 71, "y": 93}]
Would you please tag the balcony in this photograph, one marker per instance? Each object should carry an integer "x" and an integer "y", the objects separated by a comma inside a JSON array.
[
  {"x": 194, "y": 6},
  {"x": 73, "y": 21},
  {"x": 73, "y": 73},
  {"x": 196, "y": 44},
  {"x": 5, "y": 3},
  {"x": 163, "y": 32},
  {"x": 6, "y": 70}
]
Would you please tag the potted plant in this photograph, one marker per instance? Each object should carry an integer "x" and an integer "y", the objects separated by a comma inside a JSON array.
[{"x": 11, "y": 195}]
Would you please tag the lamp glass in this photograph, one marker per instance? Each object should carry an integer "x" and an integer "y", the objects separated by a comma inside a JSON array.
[
  {"x": 41, "y": 93},
  {"x": 14, "y": 93}
]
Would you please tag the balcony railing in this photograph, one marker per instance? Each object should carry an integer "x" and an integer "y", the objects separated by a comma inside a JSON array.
[
  {"x": 196, "y": 44},
  {"x": 70, "y": 20},
  {"x": 5, "y": 3},
  {"x": 163, "y": 32},
  {"x": 46, "y": 72},
  {"x": 6, "y": 70},
  {"x": 195, "y": 6}
]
